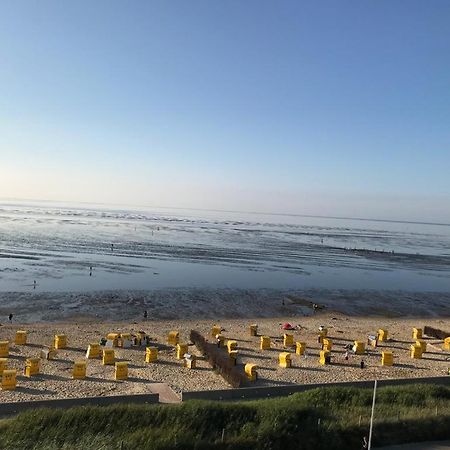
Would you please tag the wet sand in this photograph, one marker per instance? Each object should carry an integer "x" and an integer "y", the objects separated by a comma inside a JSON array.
[
  {"x": 208, "y": 303},
  {"x": 159, "y": 249}
]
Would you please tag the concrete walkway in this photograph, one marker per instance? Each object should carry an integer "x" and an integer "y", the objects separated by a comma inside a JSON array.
[
  {"x": 436, "y": 445},
  {"x": 166, "y": 393}
]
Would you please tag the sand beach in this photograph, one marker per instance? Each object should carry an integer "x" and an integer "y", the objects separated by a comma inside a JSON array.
[{"x": 55, "y": 379}]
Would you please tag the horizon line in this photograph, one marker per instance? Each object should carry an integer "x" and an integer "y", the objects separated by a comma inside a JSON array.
[{"x": 362, "y": 219}]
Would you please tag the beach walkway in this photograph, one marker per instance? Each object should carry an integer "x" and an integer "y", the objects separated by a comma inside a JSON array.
[{"x": 166, "y": 393}]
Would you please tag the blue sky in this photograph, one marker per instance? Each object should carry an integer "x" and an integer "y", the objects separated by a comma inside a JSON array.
[{"x": 337, "y": 107}]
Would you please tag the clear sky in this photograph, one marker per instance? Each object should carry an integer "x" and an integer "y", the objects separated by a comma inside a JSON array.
[{"x": 332, "y": 108}]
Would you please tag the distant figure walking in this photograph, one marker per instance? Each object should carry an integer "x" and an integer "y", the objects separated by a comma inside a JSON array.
[
  {"x": 145, "y": 314},
  {"x": 112, "y": 247},
  {"x": 34, "y": 284},
  {"x": 10, "y": 317},
  {"x": 90, "y": 271}
]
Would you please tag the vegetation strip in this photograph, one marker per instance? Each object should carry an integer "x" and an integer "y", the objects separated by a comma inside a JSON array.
[{"x": 334, "y": 418}]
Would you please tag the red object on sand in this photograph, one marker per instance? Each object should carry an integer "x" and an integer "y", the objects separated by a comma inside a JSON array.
[{"x": 287, "y": 326}]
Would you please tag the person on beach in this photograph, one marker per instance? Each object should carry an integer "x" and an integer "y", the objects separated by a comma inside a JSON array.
[
  {"x": 145, "y": 314},
  {"x": 34, "y": 284},
  {"x": 10, "y": 317}
]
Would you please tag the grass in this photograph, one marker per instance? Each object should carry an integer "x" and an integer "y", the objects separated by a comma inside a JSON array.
[{"x": 403, "y": 414}]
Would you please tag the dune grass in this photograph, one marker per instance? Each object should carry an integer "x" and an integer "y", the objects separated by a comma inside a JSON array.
[{"x": 329, "y": 418}]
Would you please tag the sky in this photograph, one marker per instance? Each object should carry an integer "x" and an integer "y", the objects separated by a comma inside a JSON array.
[{"x": 332, "y": 108}]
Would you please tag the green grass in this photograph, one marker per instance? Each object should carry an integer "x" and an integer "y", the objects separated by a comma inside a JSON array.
[{"x": 403, "y": 414}]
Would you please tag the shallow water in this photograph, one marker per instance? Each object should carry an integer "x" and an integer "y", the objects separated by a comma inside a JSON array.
[{"x": 163, "y": 248}]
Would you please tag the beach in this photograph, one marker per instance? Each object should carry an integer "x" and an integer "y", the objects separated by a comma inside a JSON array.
[
  {"x": 87, "y": 271},
  {"x": 55, "y": 379}
]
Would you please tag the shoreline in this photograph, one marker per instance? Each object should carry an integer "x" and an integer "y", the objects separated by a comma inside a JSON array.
[{"x": 210, "y": 303}]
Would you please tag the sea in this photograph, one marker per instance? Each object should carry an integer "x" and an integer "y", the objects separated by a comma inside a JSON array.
[{"x": 49, "y": 247}]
